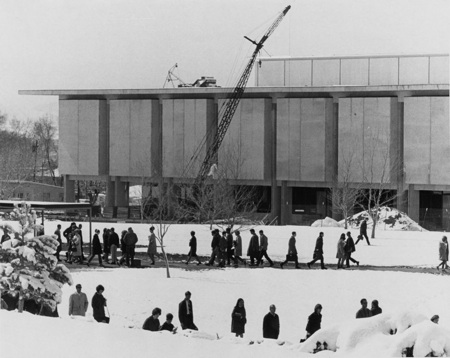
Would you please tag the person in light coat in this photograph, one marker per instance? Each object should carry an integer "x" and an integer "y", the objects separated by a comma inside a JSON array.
[
  {"x": 151, "y": 251},
  {"x": 237, "y": 243},
  {"x": 341, "y": 254},
  {"x": 443, "y": 253},
  {"x": 78, "y": 303}
]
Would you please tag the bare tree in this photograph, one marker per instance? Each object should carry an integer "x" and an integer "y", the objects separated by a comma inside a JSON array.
[
  {"x": 160, "y": 215},
  {"x": 380, "y": 168},
  {"x": 219, "y": 200},
  {"x": 44, "y": 131},
  {"x": 15, "y": 160},
  {"x": 345, "y": 191}
]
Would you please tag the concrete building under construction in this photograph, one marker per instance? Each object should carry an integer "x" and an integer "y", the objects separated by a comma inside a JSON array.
[{"x": 292, "y": 133}]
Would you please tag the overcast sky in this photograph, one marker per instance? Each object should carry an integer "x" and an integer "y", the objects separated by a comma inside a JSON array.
[{"x": 95, "y": 44}]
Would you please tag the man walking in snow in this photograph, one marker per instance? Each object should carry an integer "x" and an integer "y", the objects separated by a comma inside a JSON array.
[
  {"x": 318, "y": 253},
  {"x": 292, "y": 252},
  {"x": 130, "y": 241},
  {"x": 253, "y": 247},
  {"x": 263, "y": 244},
  {"x": 363, "y": 232},
  {"x": 349, "y": 249},
  {"x": 193, "y": 249},
  {"x": 363, "y": 312},
  {"x": 78, "y": 302},
  {"x": 214, "y": 247}
]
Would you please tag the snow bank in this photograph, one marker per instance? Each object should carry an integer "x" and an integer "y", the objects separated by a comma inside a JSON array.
[
  {"x": 327, "y": 222},
  {"x": 133, "y": 293},
  {"x": 389, "y": 219}
]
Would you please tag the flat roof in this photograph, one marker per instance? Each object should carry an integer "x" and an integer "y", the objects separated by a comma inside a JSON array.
[{"x": 250, "y": 92}]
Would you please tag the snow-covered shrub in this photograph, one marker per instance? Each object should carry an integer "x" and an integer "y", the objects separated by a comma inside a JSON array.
[
  {"x": 28, "y": 264},
  {"x": 425, "y": 339}
]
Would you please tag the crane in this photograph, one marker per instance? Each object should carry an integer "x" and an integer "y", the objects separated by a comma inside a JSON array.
[{"x": 233, "y": 101}]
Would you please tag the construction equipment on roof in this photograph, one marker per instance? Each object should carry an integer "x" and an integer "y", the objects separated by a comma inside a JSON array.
[{"x": 204, "y": 81}]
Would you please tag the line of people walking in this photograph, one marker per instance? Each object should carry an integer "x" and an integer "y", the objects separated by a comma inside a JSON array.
[{"x": 226, "y": 248}]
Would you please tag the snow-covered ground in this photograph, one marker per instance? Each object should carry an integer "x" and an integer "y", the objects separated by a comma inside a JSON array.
[
  {"x": 133, "y": 293},
  {"x": 406, "y": 299}
]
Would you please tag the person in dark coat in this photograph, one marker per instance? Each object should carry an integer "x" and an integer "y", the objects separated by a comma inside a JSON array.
[
  {"x": 443, "y": 253},
  {"x": 98, "y": 304},
  {"x": 229, "y": 246},
  {"x": 314, "y": 321},
  {"x": 363, "y": 232},
  {"x": 292, "y": 252},
  {"x": 318, "y": 253},
  {"x": 238, "y": 319},
  {"x": 58, "y": 238},
  {"x": 253, "y": 247},
  {"x": 80, "y": 234},
  {"x": 152, "y": 323},
  {"x": 168, "y": 326},
  {"x": 96, "y": 249},
  {"x": 106, "y": 247},
  {"x": 363, "y": 312},
  {"x": 130, "y": 241},
  {"x": 193, "y": 249},
  {"x": 375, "y": 309},
  {"x": 123, "y": 247},
  {"x": 186, "y": 313},
  {"x": 271, "y": 324},
  {"x": 113, "y": 245},
  {"x": 214, "y": 247},
  {"x": 223, "y": 249},
  {"x": 67, "y": 233},
  {"x": 349, "y": 249}
]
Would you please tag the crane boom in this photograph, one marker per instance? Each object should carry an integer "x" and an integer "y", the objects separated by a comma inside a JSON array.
[{"x": 233, "y": 101}]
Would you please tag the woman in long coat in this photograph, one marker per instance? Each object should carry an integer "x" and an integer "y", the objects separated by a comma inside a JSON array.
[
  {"x": 238, "y": 318},
  {"x": 443, "y": 253},
  {"x": 96, "y": 248},
  {"x": 151, "y": 251},
  {"x": 341, "y": 255}
]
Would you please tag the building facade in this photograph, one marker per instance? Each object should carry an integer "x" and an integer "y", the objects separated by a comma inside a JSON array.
[{"x": 306, "y": 122}]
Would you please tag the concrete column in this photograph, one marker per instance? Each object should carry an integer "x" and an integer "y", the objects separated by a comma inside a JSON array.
[
  {"x": 275, "y": 190},
  {"x": 110, "y": 193},
  {"x": 396, "y": 152},
  {"x": 413, "y": 203},
  {"x": 336, "y": 213},
  {"x": 286, "y": 204},
  {"x": 121, "y": 193},
  {"x": 446, "y": 212},
  {"x": 69, "y": 189}
]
